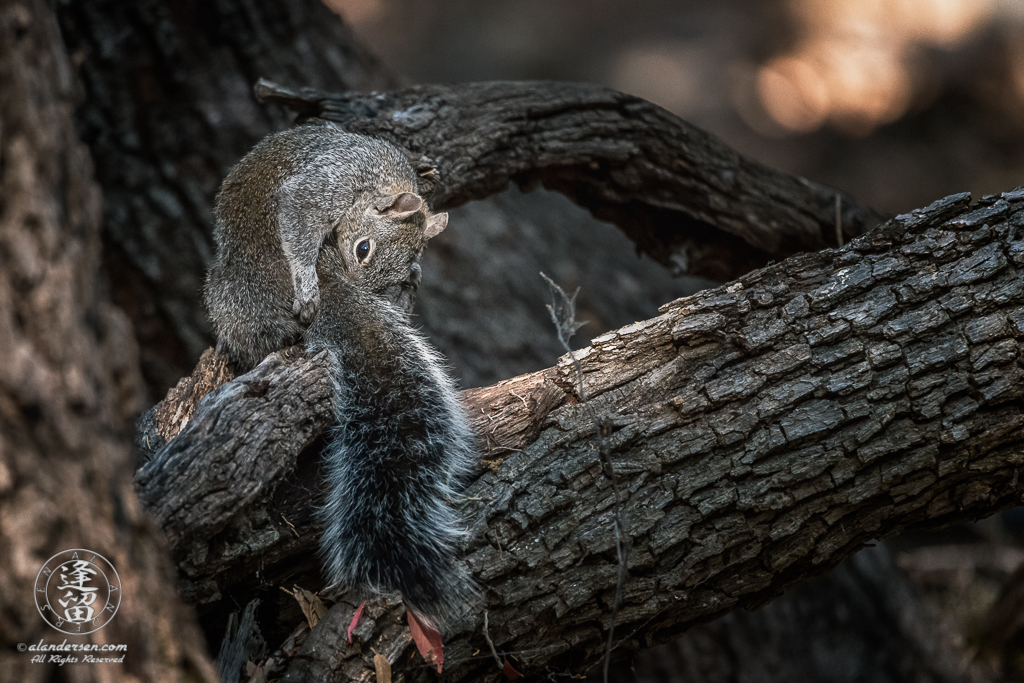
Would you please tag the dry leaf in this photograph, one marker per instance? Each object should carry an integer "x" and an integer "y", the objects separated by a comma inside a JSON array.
[
  {"x": 259, "y": 673},
  {"x": 309, "y": 603},
  {"x": 510, "y": 673},
  {"x": 383, "y": 668},
  {"x": 355, "y": 619},
  {"x": 428, "y": 640}
]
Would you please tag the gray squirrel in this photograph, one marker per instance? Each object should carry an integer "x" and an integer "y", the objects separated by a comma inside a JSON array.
[
  {"x": 274, "y": 211},
  {"x": 402, "y": 446}
]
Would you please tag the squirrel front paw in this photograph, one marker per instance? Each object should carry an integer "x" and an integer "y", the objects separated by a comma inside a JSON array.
[{"x": 306, "y": 309}]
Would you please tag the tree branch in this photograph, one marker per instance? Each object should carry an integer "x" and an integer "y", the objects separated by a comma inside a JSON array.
[
  {"x": 684, "y": 197},
  {"x": 761, "y": 432}
]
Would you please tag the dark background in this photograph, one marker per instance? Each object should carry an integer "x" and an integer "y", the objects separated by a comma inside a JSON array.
[{"x": 896, "y": 101}]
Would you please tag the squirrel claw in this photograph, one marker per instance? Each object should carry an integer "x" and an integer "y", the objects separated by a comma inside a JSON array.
[{"x": 306, "y": 310}]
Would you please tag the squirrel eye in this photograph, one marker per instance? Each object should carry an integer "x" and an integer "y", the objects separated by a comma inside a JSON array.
[{"x": 363, "y": 250}]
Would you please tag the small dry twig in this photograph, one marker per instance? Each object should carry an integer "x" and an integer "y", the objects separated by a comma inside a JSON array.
[
  {"x": 490, "y": 643},
  {"x": 563, "y": 314}
]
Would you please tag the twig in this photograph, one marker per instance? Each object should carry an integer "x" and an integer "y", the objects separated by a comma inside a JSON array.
[
  {"x": 563, "y": 314},
  {"x": 291, "y": 526},
  {"x": 490, "y": 643},
  {"x": 525, "y": 404}
]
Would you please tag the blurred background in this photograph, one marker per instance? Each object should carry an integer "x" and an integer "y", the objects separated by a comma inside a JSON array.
[{"x": 899, "y": 102}]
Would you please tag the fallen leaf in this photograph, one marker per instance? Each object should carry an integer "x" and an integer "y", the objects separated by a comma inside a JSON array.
[
  {"x": 309, "y": 603},
  {"x": 383, "y": 667},
  {"x": 259, "y": 673},
  {"x": 510, "y": 673},
  {"x": 427, "y": 639},
  {"x": 355, "y": 619}
]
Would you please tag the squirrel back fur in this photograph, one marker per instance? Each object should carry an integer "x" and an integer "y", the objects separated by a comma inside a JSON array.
[
  {"x": 272, "y": 215},
  {"x": 402, "y": 446}
]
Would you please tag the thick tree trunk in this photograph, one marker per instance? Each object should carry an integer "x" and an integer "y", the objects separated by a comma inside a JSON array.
[
  {"x": 69, "y": 385},
  {"x": 759, "y": 434}
]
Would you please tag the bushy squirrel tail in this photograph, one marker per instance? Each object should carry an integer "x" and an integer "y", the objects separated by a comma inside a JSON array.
[{"x": 401, "y": 450}]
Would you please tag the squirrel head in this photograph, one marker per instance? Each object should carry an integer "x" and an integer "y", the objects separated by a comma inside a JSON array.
[{"x": 390, "y": 238}]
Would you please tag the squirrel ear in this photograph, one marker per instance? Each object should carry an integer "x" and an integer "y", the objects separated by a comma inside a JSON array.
[
  {"x": 435, "y": 224},
  {"x": 400, "y": 205}
]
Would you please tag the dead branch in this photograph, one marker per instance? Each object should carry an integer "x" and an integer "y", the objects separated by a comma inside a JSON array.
[{"x": 687, "y": 199}]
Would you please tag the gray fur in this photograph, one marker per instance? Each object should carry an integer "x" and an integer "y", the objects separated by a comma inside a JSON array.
[
  {"x": 273, "y": 213},
  {"x": 402, "y": 447}
]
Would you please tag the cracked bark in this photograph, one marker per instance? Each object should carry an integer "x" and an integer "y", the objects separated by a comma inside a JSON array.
[
  {"x": 761, "y": 432},
  {"x": 684, "y": 197}
]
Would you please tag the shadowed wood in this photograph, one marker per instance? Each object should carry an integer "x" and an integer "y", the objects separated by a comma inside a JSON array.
[
  {"x": 760, "y": 432},
  {"x": 686, "y": 198},
  {"x": 69, "y": 388}
]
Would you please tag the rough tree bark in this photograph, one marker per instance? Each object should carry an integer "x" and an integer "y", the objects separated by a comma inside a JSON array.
[
  {"x": 69, "y": 383},
  {"x": 759, "y": 433}
]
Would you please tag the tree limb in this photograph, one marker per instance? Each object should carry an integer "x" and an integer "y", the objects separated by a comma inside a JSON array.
[
  {"x": 761, "y": 432},
  {"x": 687, "y": 199}
]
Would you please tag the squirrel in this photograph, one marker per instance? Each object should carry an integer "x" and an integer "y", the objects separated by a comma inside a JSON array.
[
  {"x": 274, "y": 210},
  {"x": 402, "y": 445},
  {"x": 315, "y": 206}
]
